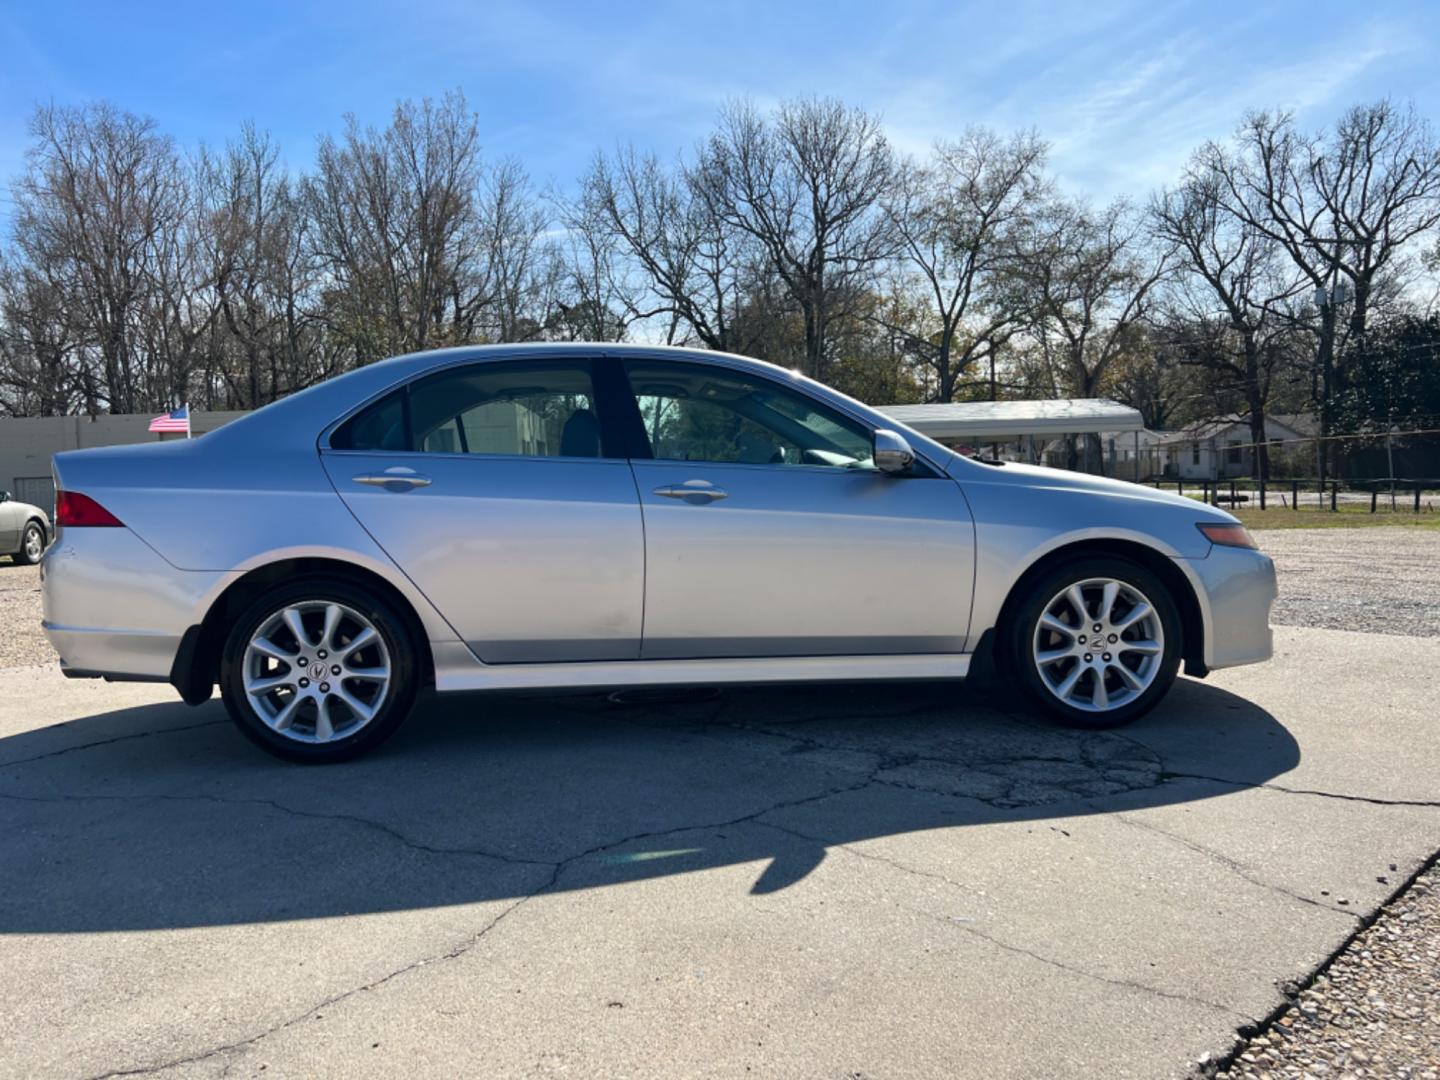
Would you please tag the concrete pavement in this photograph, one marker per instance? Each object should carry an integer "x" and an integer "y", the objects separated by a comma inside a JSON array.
[{"x": 854, "y": 881}]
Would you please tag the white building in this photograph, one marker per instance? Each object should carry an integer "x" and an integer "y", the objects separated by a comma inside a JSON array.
[
  {"x": 1034, "y": 431},
  {"x": 1223, "y": 449}
]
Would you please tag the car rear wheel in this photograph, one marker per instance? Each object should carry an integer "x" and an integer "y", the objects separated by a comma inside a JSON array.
[
  {"x": 32, "y": 544},
  {"x": 1095, "y": 642},
  {"x": 319, "y": 671}
]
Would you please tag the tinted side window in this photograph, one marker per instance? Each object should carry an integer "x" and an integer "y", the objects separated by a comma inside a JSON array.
[
  {"x": 544, "y": 409},
  {"x": 693, "y": 412},
  {"x": 381, "y": 426}
]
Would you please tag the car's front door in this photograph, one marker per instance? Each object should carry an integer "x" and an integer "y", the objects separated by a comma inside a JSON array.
[
  {"x": 491, "y": 487},
  {"x": 769, "y": 532}
]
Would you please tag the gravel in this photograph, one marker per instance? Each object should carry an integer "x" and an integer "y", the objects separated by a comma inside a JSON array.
[
  {"x": 21, "y": 641},
  {"x": 1377, "y": 580},
  {"x": 1374, "y": 1013}
]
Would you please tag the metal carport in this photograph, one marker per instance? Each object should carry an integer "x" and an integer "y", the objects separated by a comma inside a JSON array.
[{"x": 997, "y": 421}]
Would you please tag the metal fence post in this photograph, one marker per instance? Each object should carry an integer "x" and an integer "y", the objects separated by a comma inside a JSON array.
[{"x": 1374, "y": 495}]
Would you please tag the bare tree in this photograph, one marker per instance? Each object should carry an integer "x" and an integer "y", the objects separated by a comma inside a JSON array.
[
  {"x": 1345, "y": 205},
  {"x": 98, "y": 209},
  {"x": 807, "y": 186},
  {"x": 254, "y": 230},
  {"x": 515, "y": 273},
  {"x": 1230, "y": 305},
  {"x": 600, "y": 294},
  {"x": 959, "y": 219},
  {"x": 1091, "y": 279},
  {"x": 394, "y": 225},
  {"x": 38, "y": 345},
  {"x": 695, "y": 263}
]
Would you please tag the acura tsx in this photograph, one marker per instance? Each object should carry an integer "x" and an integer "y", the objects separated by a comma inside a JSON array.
[{"x": 601, "y": 516}]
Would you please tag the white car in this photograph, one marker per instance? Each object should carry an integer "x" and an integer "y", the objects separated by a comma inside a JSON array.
[{"x": 24, "y": 530}]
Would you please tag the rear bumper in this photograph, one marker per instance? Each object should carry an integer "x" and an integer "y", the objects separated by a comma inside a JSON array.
[
  {"x": 114, "y": 608},
  {"x": 1235, "y": 588}
]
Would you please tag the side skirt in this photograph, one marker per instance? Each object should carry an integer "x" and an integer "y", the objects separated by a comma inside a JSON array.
[{"x": 456, "y": 670}]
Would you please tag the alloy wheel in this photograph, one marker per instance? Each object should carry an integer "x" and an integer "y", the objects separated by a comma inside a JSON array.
[
  {"x": 1098, "y": 644},
  {"x": 316, "y": 671}
]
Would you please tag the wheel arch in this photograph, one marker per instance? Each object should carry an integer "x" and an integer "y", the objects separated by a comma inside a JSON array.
[
  {"x": 197, "y": 663},
  {"x": 1182, "y": 590}
]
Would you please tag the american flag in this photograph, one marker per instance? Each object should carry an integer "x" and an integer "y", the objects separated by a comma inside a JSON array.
[{"x": 174, "y": 420}]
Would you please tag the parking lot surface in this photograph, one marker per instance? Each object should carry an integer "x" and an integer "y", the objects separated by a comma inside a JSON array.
[{"x": 838, "y": 881}]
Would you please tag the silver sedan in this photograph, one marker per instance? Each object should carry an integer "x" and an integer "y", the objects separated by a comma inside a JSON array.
[
  {"x": 24, "y": 530},
  {"x": 607, "y": 516}
]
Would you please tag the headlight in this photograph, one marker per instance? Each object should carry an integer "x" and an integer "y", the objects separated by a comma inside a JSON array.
[{"x": 1227, "y": 535}]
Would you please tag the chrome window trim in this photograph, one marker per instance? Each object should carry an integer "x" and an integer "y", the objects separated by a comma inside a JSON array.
[{"x": 459, "y": 456}]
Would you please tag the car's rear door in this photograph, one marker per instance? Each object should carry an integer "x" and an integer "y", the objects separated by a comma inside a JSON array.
[
  {"x": 770, "y": 533},
  {"x": 491, "y": 486}
]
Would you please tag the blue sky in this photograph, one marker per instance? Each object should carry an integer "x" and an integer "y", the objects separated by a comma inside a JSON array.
[{"x": 1122, "y": 90}]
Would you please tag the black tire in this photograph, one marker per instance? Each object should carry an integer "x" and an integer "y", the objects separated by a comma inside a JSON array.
[
  {"x": 398, "y": 694},
  {"x": 1017, "y": 635},
  {"x": 33, "y": 529}
]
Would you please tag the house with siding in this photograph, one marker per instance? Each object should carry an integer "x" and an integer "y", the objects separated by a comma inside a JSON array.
[{"x": 1223, "y": 449}]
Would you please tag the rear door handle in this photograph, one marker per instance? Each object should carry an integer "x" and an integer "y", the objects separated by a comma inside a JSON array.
[
  {"x": 397, "y": 479},
  {"x": 697, "y": 492}
]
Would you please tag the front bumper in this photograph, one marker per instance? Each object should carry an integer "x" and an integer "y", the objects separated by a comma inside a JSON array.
[
  {"x": 1235, "y": 588},
  {"x": 113, "y": 607}
]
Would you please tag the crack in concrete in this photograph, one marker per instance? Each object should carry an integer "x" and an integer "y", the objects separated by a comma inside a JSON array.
[
  {"x": 1236, "y": 867},
  {"x": 557, "y": 871},
  {"x": 997, "y": 942},
  {"x": 1153, "y": 765},
  {"x": 1105, "y": 777},
  {"x": 1290, "y": 992},
  {"x": 1342, "y": 796},
  {"x": 1127, "y": 984},
  {"x": 110, "y": 742},
  {"x": 240, "y": 1044},
  {"x": 270, "y": 804}
]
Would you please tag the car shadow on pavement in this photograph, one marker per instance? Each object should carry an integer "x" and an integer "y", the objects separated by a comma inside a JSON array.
[{"x": 163, "y": 816}]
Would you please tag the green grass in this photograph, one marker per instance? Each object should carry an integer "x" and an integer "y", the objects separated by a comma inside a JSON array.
[{"x": 1345, "y": 517}]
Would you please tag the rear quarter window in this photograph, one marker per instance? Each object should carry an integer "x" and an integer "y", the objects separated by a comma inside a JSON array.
[{"x": 380, "y": 426}]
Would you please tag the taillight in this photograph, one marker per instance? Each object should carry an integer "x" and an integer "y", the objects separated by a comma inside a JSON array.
[{"x": 73, "y": 510}]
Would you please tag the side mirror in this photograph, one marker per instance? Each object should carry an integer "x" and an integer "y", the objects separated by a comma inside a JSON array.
[
  {"x": 4, "y": 496},
  {"x": 892, "y": 453}
]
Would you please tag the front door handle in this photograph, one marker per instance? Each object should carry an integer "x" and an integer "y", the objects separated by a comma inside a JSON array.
[
  {"x": 695, "y": 492},
  {"x": 396, "y": 479}
]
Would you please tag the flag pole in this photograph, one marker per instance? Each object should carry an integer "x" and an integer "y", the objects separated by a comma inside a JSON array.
[{"x": 187, "y": 421}]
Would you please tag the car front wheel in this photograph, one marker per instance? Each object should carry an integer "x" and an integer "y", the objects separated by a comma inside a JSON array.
[
  {"x": 1095, "y": 642},
  {"x": 319, "y": 672}
]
